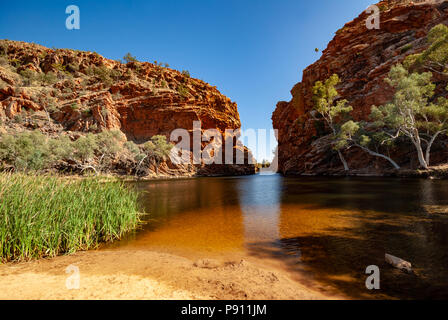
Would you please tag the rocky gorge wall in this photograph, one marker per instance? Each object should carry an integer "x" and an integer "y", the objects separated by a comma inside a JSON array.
[
  {"x": 362, "y": 58},
  {"x": 83, "y": 92}
]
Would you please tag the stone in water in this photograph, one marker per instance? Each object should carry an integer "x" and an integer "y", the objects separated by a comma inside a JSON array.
[{"x": 399, "y": 263}]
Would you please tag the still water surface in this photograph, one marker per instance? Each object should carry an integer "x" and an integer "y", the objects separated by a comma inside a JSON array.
[{"x": 324, "y": 231}]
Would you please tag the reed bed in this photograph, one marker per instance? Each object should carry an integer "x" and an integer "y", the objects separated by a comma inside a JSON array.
[{"x": 45, "y": 216}]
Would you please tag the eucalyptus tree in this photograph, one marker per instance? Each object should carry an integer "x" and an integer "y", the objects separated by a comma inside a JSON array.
[
  {"x": 412, "y": 113},
  {"x": 157, "y": 150},
  {"x": 435, "y": 57},
  {"x": 330, "y": 109},
  {"x": 354, "y": 134}
]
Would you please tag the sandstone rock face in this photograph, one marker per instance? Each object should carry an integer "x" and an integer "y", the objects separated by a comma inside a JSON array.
[
  {"x": 362, "y": 58},
  {"x": 85, "y": 92}
]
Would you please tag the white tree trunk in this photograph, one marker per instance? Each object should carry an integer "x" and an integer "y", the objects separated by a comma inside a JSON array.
[
  {"x": 421, "y": 156},
  {"x": 137, "y": 169},
  {"x": 376, "y": 154},
  {"x": 428, "y": 148},
  {"x": 346, "y": 168}
]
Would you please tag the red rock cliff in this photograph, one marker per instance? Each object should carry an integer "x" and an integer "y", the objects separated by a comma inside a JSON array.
[
  {"x": 85, "y": 92},
  {"x": 362, "y": 58}
]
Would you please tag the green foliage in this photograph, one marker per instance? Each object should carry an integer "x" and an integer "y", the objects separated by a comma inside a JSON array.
[
  {"x": 332, "y": 111},
  {"x": 28, "y": 77},
  {"x": 84, "y": 147},
  {"x": 412, "y": 93},
  {"x": 72, "y": 67},
  {"x": 59, "y": 67},
  {"x": 4, "y": 61},
  {"x": 347, "y": 131},
  {"x": 48, "y": 78},
  {"x": 342, "y": 30},
  {"x": 365, "y": 140},
  {"x": 411, "y": 99},
  {"x": 109, "y": 142},
  {"x": 104, "y": 112},
  {"x": 15, "y": 63},
  {"x": 183, "y": 91},
  {"x": 60, "y": 148},
  {"x": 105, "y": 75},
  {"x": 326, "y": 104},
  {"x": 411, "y": 112},
  {"x": 33, "y": 151},
  {"x": 383, "y": 7},
  {"x": 158, "y": 148},
  {"x": 26, "y": 150},
  {"x": 43, "y": 55},
  {"x": 115, "y": 74},
  {"x": 3, "y": 49},
  {"x": 117, "y": 96},
  {"x": 435, "y": 115},
  {"x": 186, "y": 73},
  {"x": 129, "y": 58},
  {"x": 18, "y": 118},
  {"x": 406, "y": 48},
  {"x": 325, "y": 94},
  {"x": 44, "y": 216},
  {"x": 87, "y": 113},
  {"x": 435, "y": 58},
  {"x": 161, "y": 64},
  {"x": 135, "y": 151}
]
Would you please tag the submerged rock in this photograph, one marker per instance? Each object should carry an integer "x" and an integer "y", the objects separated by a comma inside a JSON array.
[{"x": 399, "y": 263}]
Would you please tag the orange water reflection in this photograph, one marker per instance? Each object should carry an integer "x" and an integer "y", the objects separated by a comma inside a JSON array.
[{"x": 329, "y": 230}]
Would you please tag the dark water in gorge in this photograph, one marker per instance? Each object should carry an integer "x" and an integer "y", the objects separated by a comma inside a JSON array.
[{"x": 327, "y": 230}]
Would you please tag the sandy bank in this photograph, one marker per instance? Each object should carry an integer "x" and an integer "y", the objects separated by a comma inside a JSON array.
[{"x": 138, "y": 274}]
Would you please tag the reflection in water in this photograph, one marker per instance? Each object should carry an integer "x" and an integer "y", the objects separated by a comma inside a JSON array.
[
  {"x": 327, "y": 229},
  {"x": 191, "y": 215},
  {"x": 260, "y": 204}
]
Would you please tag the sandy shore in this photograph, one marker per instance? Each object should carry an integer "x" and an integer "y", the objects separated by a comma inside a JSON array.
[{"x": 139, "y": 274}]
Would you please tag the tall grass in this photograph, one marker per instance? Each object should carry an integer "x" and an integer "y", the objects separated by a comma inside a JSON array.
[{"x": 44, "y": 216}]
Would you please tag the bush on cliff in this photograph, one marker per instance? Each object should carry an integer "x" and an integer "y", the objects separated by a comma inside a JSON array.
[
  {"x": 156, "y": 151},
  {"x": 183, "y": 91},
  {"x": 435, "y": 58},
  {"x": 158, "y": 148},
  {"x": 34, "y": 151},
  {"x": 27, "y": 150},
  {"x": 129, "y": 58},
  {"x": 104, "y": 74},
  {"x": 4, "y": 61}
]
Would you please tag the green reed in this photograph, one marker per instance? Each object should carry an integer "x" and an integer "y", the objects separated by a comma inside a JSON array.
[{"x": 44, "y": 216}]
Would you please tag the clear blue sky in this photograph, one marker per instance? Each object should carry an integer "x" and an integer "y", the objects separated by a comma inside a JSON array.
[{"x": 254, "y": 51}]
